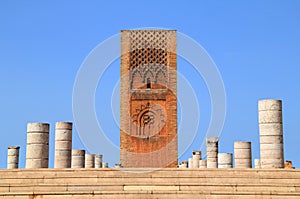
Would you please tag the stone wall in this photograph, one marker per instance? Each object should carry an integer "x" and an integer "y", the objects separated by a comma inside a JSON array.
[{"x": 144, "y": 183}]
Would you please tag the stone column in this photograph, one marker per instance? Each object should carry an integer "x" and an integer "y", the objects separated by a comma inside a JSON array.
[
  {"x": 105, "y": 164},
  {"x": 212, "y": 152},
  {"x": 271, "y": 133},
  {"x": 179, "y": 165},
  {"x": 190, "y": 163},
  {"x": 202, "y": 164},
  {"x": 196, "y": 159},
  {"x": 184, "y": 164},
  {"x": 242, "y": 155},
  {"x": 63, "y": 145},
  {"x": 257, "y": 164},
  {"x": 78, "y": 158},
  {"x": 98, "y": 161},
  {"x": 37, "y": 149},
  {"x": 89, "y": 161},
  {"x": 118, "y": 166},
  {"x": 225, "y": 160},
  {"x": 13, "y": 157}
]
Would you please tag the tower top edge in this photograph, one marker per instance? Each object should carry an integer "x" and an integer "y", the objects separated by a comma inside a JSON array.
[{"x": 150, "y": 30}]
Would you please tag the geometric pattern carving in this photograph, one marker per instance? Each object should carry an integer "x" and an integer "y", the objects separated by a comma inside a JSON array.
[
  {"x": 150, "y": 40},
  {"x": 147, "y": 55}
]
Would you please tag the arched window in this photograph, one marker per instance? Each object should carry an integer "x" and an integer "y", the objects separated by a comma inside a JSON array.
[{"x": 148, "y": 83}]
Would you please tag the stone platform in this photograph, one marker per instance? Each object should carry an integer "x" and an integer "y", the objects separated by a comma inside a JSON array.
[{"x": 144, "y": 183}]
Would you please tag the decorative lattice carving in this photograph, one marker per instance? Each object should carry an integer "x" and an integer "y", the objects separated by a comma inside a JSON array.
[
  {"x": 150, "y": 39},
  {"x": 148, "y": 56}
]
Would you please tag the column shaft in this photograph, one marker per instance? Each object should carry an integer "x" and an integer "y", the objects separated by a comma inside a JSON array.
[
  {"x": 63, "y": 145},
  {"x": 242, "y": 155},
  {"x": 78, "y": 158},
  {"x": 13, "y": 157},
  {"x": 225, "y": 160},
  {"x": 212, "y": 148},
  {"x": 196, "y": 159},
  {"x": 89, "y": 161},
  {"x": 37, "y": 149},
  {"x": 271, "y": 133}
]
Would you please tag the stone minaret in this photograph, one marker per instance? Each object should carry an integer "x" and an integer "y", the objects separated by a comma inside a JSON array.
[{"x": 148, "y": 96}]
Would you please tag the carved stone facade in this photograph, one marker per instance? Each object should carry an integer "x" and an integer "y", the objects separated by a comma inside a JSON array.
[{"x": 148, "y": 134}]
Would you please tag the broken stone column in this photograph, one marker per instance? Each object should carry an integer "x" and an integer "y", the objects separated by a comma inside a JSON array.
[
  {"x": 98, "y": 161},
  {"x": 183, "y": 164},
  {"x": 89, "y": 161},
  {"x": 212, "y": 152},
  {"x": 13, "y": 157},
  {"x": 225, "y": 160},
  {"x": 37, "y": 149},
  {"x": 118, "y": 166},
  {"x": 105, "y": 164},
  {"x": 190, "y": 163},
  {"x": 257, "y": 164},
  {"x": 78, "y": 158},
  {"x": 242, "y": 155},
  {"x": 202, "y": 164},
  {"x": 288, "y": 165},
  {"x": 271, "y": 133},
  {"x": 196, "y": 159},
  {"x": 63, "y": 145}
]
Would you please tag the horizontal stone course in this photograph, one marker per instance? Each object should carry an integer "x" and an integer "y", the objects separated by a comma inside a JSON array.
[{"x": 139, "y": 183}]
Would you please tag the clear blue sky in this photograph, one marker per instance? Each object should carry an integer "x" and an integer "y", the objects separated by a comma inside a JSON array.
[{"x": 255, "y": 45}]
